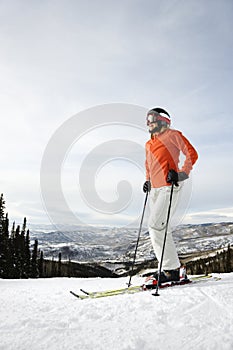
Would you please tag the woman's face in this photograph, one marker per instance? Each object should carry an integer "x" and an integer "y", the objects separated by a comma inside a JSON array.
[{"x": 153, "y": 125}]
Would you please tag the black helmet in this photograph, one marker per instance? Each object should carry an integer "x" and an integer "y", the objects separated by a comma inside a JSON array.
[{"x": 160, "y": 116}]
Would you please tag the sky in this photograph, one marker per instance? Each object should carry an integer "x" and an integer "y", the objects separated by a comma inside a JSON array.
[{"x": 66, "y": 67}]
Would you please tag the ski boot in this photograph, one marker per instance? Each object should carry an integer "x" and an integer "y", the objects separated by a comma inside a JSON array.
[{"x": 166, "y": 276}]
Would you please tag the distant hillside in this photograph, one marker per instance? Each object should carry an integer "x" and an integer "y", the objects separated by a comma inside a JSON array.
[
  {"x": 88, "y": 251},
  {"x": 96, "y": 244}
]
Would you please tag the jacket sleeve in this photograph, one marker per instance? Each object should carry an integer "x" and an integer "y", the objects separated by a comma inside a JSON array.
[
  {"x": 147, "y": 166},
  {"x": 190, "y": 153}
]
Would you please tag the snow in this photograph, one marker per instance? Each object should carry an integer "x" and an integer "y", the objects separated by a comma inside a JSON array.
[{"x": 42, "y": 314}]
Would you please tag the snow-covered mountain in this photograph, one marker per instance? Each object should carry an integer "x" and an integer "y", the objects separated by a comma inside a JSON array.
[{"x": 89, "y": 243}]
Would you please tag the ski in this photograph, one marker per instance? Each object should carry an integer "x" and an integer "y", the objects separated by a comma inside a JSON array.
[
  {"x": 107, "y": 293},
  {"x": 137, "y": 289}
]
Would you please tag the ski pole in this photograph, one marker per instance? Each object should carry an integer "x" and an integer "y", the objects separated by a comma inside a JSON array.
[
  {"x": 164, "y": 241},
  {"x": 139, "y": 233}
]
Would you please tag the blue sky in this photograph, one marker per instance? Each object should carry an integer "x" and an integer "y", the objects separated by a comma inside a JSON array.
[{"x": 61, "y": 58}]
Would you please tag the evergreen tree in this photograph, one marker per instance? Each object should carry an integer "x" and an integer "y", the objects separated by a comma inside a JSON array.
[
  {"x": 13, "y": 231},
  {"x": 34, "y": 261},
  {"x": 27, "y": 255},
  {"x": 2, "y": 207},
  {"x": 15, "y": 254},
  {"x": 228, "y": 259},
  {"x": 41, "y": 264},
  {"x": 4, "y": 241},
  {"x": 5, "y": 256},
  {"x": 59, "y": 265}
]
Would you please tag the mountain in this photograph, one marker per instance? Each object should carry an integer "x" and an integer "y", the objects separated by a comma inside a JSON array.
[{"x": 89, "y": 243}]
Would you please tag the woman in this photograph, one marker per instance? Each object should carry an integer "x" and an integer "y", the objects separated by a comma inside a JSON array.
[{"x": 162, "y": 168}]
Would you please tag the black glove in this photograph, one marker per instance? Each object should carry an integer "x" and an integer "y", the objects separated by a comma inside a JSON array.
[
  {"x": 182, "y": 176},
  {"x": 147, "y": 186},
  {"x": 172, "y": 177}
]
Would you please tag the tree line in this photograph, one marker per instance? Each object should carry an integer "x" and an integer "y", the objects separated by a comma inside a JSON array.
[
  {"x": 16, "y": 258},
  {"x": 220, "y": 262},
  {"x": 19, "y": 260}
]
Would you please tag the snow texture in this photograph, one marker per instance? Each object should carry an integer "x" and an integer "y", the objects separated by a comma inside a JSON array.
[{"x": 42, "y": 314}]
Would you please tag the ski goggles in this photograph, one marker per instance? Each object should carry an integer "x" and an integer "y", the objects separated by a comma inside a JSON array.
[{"x": 153, "y": 117}]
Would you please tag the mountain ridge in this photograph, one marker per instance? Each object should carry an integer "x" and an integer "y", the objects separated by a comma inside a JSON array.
[{"x": 89, "y": 243}]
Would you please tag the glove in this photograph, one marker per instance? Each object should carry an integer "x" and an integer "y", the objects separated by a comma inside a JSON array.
[
  {"x": 147, "y": 186},
  {"x": 182, "y": 176},
  {"x": 172, "y": 177}
]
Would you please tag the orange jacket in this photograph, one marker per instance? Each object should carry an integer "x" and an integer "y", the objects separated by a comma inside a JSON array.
[{"x": 162, "y": 155}]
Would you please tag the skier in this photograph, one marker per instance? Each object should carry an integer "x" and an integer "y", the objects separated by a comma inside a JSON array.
[{"x": 162, "y": 159}]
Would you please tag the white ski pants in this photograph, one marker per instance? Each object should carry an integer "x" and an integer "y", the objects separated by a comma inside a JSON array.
[{"x": 159, "y": 203}]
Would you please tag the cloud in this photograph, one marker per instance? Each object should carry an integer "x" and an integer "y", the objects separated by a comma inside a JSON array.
[
  {"x": 59, "y": 58},
  {"x": 217, "y": 215}
]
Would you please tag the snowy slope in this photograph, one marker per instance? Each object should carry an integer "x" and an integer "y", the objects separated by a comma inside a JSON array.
[{"x": 42, "y": 314}]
